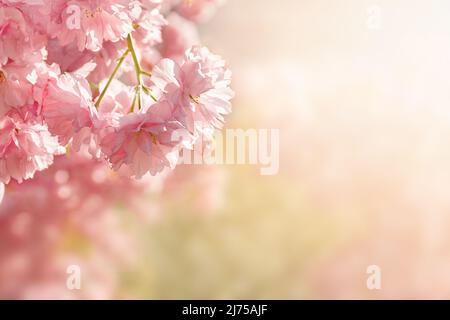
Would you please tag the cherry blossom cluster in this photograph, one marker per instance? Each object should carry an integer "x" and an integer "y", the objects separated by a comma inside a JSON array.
[
  {"x": 85, "y": 86},
  {"x": 124, "y": 81}
]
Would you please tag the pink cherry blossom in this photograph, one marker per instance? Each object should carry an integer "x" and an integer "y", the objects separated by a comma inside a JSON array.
[
  {"x": 99, "y": 65},
  {"x": 69, "y": 58},
  {"x": 144, "y": 141},
  {"x": 69, "y": 111},
  {"x": 22, "y": 85},
  {"x": 100, "y": 20},
  {"x": 36, "y": 14},
  {"x": 199, "y": 87},
  {"x": 16, "y": 85},
  {"x": 117, "y": 101},
  {"x": 25, "y": 147},
  {"x": 148, "y": 27},
  {"x": 19, "y": 41},
  {"x": 83, "y": 89}
]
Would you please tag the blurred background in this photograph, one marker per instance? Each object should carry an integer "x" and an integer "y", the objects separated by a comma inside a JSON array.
[{"x": 360, "y": 91}]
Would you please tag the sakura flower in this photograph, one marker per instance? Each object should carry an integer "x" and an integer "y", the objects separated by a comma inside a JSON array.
[
  {"x": 19, "y": 41},
  {"x": 69, "y": 58},
  {"x": 24, "y": 85},
  {"x": 117, "y": 101},
  {"x": 69, "y": 111},
  {"x": 199, "y": 87},
  {"x": 213, "y": 66},
  {"x": 144, "y": 142},
  {"x": 90, "y": 23},
  {"x": 115, "y": 105},
  {"x": 25, "y": 147},
  {"x": 100, "y": 64},
  {"x": 149, "y": 25},
  {"x": 35, "y": 12},
  {"x": 78, "y": 74},
  {"x": 16, "y": 86}
]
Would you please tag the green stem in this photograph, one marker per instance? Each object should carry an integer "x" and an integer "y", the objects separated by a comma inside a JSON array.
[
  {"x": 137, "y": 66},
  {"x": 146, "y": 73},
  {"x": 139, "y": 72},
  {"x": 116, "y": 69},
  {"x": 148, "y": 91},
  {"x": 133, "y": 103}
]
